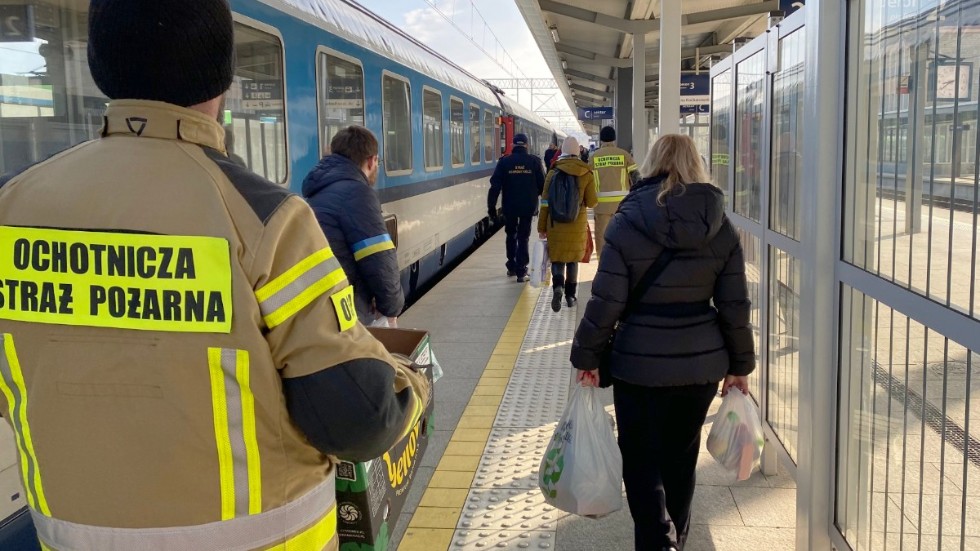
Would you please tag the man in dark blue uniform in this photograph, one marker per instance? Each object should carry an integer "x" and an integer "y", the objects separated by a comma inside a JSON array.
[{"x": 520, "y": 176}]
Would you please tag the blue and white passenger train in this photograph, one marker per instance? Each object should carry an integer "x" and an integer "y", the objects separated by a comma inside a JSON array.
[{"x": 305, "y": 69}]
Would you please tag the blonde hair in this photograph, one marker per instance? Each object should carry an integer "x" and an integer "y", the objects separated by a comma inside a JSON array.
[{"x": 675, "y": 157}]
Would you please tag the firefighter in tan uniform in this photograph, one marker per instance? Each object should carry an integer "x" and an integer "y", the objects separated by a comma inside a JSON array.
[
  {"x": 180, "y": 358},
  {"x": 614, "y": 172}
]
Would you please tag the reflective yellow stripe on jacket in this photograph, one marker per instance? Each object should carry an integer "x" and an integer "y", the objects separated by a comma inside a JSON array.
[
  {"x": 239, "y": 465},
  {"x": 306, "y": 524},
  {"x": 612, "y": 196},
  {"x": 15, "y": 392},
  {"x": 289, "y": 293}
]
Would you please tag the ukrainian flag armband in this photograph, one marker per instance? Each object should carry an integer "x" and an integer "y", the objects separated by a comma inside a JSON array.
[{"x": 373, "y": 245}]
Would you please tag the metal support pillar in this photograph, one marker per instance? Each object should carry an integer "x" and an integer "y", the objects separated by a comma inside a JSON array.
[
  {"x": 639, "y": 96},
  {"x": 822, "y": 170},
  {"x": 670, "y": 67},
  {"x": 916, "y": 154},
  {"x": 624, "y": 108}
]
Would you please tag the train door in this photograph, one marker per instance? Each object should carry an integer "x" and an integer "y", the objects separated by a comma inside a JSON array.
[{"x": 506, "y": 135}]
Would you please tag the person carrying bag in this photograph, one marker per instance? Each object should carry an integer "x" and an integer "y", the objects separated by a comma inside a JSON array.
[{"x": 671, "y": 287}]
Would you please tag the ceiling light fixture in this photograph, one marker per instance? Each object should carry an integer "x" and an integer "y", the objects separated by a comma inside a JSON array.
[{"x": 554, "y": 33}]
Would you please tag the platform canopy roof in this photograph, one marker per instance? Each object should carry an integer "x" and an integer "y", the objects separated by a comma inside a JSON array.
[{"x": 585, "y": 41}]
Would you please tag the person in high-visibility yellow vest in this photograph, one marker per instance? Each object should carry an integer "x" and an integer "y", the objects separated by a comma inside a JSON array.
[{"x": 615, "y": 172}]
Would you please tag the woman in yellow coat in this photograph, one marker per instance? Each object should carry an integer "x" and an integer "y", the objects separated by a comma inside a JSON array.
[{"x": 567, "y": 240}]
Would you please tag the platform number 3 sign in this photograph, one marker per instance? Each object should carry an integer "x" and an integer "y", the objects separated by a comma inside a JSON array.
[
  {"x": 16, "y": 23},
  {"x": 343, "y": 304}
]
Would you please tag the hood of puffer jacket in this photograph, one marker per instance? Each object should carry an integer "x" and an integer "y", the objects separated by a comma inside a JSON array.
[
  {"x": 332, "y": 169},
  {"x": 573, "y": 166},
  {"x": 689, "y": 219}
]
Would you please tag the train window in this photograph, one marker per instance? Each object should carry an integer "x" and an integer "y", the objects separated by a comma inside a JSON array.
[
  {"x": 432, "y": 128},
  {"x": 488, "y": 142},
  {"x": 340, "y": 82},
  {"x": 397, "y": 108},
  {"x": 474, "y": 134},
  {"x": 255, "y": 112},
  {"x": 456, "y": 131},
  {"x": 48, "y": 101}
]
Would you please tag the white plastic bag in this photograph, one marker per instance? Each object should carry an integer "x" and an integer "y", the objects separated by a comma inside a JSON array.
[
  {"x": 436, "y": 366},
  {"x": 582, "y": 469},
  {"x": 540, "y": 267},
  {"x": 380, "y": 322},
  {"x": 736, "y": 437}
]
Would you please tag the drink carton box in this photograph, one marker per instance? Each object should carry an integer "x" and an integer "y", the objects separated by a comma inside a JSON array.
[{"x": 371, "y": 494}]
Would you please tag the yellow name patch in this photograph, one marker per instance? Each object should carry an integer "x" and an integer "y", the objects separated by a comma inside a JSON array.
[
  {"x": 343, "y": 305},
  {"x": 125, "y": 281},
  {"x": 609, "y": 161}
]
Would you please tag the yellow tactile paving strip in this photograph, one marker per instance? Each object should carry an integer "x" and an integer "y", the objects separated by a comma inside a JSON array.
[{"x": 435, "y": 519}]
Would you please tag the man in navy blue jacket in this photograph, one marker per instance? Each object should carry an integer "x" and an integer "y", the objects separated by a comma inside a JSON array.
[
  {"x": 340, "y": 192},
  {"x": 520, "y": 176}
]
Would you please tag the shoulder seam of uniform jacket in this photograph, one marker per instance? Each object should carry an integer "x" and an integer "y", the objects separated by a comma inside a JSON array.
[
  {"x": 9, "y": 177},
  {"x": 263, "y": 196}
]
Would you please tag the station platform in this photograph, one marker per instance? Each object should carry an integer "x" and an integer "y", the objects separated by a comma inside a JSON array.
[{"x": 507, "y": 380}]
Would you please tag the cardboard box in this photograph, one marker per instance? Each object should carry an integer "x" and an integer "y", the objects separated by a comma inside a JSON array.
[{"x": 371, "y": 494}]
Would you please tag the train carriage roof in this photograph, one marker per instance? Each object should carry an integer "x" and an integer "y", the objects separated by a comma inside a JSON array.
[
  {"x": 353, "y": 22},
  {"x": 514, "y": 108}
]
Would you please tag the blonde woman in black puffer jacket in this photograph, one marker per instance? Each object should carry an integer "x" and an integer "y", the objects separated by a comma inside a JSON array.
[{"x": 687, "y": 332}]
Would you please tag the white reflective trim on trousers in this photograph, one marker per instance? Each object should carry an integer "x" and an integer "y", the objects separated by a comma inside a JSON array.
[
  {"x": 613, "y": 193},
  {"x": 238, "y": 534}
]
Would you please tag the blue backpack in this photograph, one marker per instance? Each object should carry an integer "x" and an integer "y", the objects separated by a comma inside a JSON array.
[{"x": 563, "y": 198}]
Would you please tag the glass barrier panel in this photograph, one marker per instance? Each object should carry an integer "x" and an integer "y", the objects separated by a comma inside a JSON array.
[
  {"x": 782, "y": 407},
  {"x": 908, "y": 443},
  {"x": 912, "y": 188},
  {"x": 750, "y": 108},
  {"x": 786, "y": 214}
]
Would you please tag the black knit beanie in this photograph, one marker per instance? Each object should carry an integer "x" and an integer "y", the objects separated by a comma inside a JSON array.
[
  {"x": 607, "y": 134},
  {"x": 176, "y": 51}
]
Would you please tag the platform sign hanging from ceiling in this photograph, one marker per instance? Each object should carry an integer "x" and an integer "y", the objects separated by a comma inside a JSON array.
[
  {"x": 695, "y": 92},
  {"x": 790, "y": 6},
  {"x": 16, "y": 23},
  {"x": 595, "y": 113}
]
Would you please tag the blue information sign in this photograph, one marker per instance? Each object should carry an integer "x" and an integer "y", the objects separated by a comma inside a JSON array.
[
  {"x": 594, "y": 113},
  {"x": 789, "y": 6},
  {"x": 689, "y": 109},
  {"x": 695, "y": 92}
]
